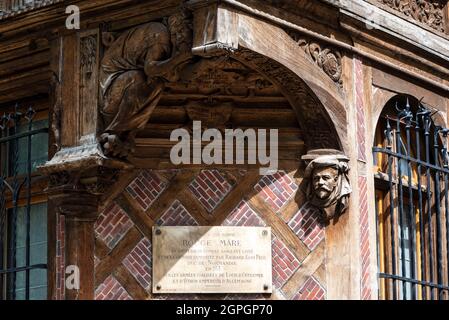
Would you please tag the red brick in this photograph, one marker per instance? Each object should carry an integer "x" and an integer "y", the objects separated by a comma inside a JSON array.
[
  {"x": 210, "y": 187},
  {"x": 111, "y": 289},
  {"x": 284, "y": 265},
  {"x": 146, "y": 188},
  {"x": 306, "y": 226},
  {"x": 310, "y": 290},
  {"x": 276, "y": 190}
]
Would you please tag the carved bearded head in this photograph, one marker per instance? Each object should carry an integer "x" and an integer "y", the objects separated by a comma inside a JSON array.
[
  {"x": 324, "y": 182},
  {"x": 328, "y": 186}
]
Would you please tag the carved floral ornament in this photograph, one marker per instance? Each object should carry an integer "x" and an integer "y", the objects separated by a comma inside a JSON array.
[
  {"x": 430, "y": 12},
  {"x": 328, "y": 59},
  {"x": 88, "y": 58},
  {"x": 327, "y": 182}
]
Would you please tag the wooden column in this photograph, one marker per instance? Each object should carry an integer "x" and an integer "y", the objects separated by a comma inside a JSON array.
[
  {"x": 80, "y": 209},
  {"x": 76, "y": 194},
  {"x": 76, "y": 168},
  {"x": 79, "y": 252}
]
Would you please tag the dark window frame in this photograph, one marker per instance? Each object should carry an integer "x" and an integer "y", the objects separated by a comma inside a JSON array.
[
  {"x": 16, "y": 192},
  {"x": 414, "y": 196}
]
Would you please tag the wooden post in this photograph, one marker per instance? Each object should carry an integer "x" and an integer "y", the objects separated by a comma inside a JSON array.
[
  {"x": 80, "y": 209},
  {"x": 80, "y": 242},
  {"x": 76, "y": 196}
]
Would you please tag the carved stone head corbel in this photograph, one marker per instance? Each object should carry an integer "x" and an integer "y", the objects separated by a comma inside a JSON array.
[{"x": 327, "y": 183}]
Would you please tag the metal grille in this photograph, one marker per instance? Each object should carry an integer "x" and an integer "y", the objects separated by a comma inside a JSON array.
[
  {"x": 413, "y": 224},
  {"x": 15, "y": 190}
]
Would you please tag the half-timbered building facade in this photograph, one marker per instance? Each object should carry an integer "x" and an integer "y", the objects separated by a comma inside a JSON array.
[{"x": 88, "y": 111}]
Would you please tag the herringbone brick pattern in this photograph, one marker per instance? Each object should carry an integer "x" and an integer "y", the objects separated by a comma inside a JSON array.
[{"x": 211, "y": 189}]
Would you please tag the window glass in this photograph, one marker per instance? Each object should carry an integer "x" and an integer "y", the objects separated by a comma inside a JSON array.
[
  {"x": 39, "y": 147},
  {"x": 38, "y": 251}
]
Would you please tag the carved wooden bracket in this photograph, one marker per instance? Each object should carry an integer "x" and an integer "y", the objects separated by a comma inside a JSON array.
[
  {"x": 76, "y": 194},
  {"x": 134, "y": 70},
  {"x": 139, "y": 63}
]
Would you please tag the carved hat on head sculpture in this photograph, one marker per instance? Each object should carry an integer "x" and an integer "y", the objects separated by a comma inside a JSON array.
[{"x": 328, "y": 186}]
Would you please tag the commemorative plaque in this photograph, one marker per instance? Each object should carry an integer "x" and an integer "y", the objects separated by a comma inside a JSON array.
[{"x": 212, "y": 260}]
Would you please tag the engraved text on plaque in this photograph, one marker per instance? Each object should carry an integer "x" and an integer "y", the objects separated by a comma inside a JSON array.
[{"x": 212, "y": 260}]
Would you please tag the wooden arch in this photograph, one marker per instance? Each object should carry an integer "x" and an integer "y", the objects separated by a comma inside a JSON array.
[
  {"x": 312, "y": 92},
  {"x": 314, "y": 95}
]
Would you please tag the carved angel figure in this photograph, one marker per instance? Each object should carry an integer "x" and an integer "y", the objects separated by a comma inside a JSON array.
[{"x": 133, "y": 73}]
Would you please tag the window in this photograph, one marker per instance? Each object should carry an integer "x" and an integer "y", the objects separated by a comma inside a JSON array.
[
  {"x": 412, "y": 197},
  {"x": 38, "y": 253},
  {"x": 23, "y": 207}
]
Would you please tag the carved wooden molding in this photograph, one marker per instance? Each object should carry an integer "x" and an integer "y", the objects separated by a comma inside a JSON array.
[
  {"x": 429, "y": 12},
  {"x": 12, "y": 7},
  {"x": 76, "y": 194},
  {"x": 327, "y": 58}
]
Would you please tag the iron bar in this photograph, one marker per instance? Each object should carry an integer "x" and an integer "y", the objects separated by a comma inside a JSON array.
[
  {"x": 407, "y": 158},
  {"x": 411, "y": 218},
  {"x": 427, "y": 123},
  {"x": 420, "y": 207},
  {"x": 392, "y": 224},
  {"x": 439, "y": 248},
  {"x": 23, "y": 135},
  {"x": 21, "y": 269},
  {"x": 29, "y": 117},
  {"x": 405, "y": 279},
  {"x": 401, "y": 207},
  {"x": 12, "y": 181},
  {"x": 15, "y": 198},
  {"x": 446, "y": 199}
]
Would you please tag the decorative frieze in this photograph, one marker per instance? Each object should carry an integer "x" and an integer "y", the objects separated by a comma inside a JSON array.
[
  {"x": 430, "y": 12},
  {"x": 12, "y": 7}
]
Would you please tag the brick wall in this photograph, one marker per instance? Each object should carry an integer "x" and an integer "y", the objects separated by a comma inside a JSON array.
[
  {"x": 364, "y": 239},
  {"x": 362, "y": 183},
  {"x": 209, "y": 197}
]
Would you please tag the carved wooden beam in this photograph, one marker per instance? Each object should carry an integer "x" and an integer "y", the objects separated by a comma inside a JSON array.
[{"x": 215, "y": 28}]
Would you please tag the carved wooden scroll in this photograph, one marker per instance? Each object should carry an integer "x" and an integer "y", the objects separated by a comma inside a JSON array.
[{"x": 328, "y": 59}]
